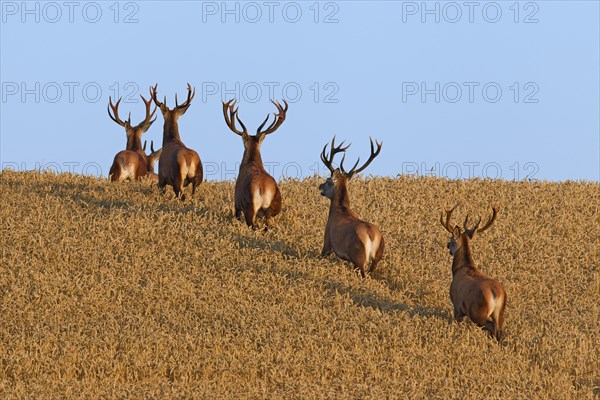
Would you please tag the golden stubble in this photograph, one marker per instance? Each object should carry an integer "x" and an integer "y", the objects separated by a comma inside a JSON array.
[{"x": 116, "y": 291}]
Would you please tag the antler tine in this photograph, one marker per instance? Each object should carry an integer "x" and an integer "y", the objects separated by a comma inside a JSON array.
[
  {"x": 374, "y": 153},
  {"x": 263, "y": 124},
  {"x": 144, "y": 146},
  {"x": 491, "y": 220},
  {"x": 342, "y": 164},
  {"x": 467, "y": 221},
  {"x": 188, "y": 101},
  {"x": 115, "y": 110},
  {"x": 446, "y": 224},
  {"x": 328, "y": 158},
  {"x": 279, "y": 118},
  {"x": 237, "y": 117},
  {"x": 324, "y": 159},
  {"x": 149, "y": 115},
  {"x": 153, "y": 94},
  {"x": 152, "y": 146},
  {"x": 231, "y": 114}
]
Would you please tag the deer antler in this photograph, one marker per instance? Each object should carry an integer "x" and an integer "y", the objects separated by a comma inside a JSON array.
[
  {"x": 328, "y": 158},
  {"x": 188, "y": 101},
  {"x": 153, "y": 94},
  {"x": 472, "y": 230},
  {"x": 374, "y": 153},
  {"x": 487, "y": 225},
  {"x": 279, "y": 118},
  {"x": 446, "y": 224},
  {"x": 115, "y": 110},
  {"x": 233, "y": 115},
  {"x": 152, "y": 146},
  {"x": 148, "y": 121},
  {"x": 491, "y": 220}
]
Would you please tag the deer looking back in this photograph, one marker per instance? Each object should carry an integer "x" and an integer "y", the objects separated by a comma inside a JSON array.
[
  {"x": 178, "y": 165},
  {"x": 473, "y": 294},
  {"x": 256, "y": 192},
  {"x": 349, "y": 237},
  {"x": 130, "y": 164}
]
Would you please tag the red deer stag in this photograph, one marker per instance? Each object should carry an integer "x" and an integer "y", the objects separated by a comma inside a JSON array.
[
  {"x": 256, "y": 193},
  {"x": 131, "y": 162},
  {"x": 349, "y": 237},
  {"x": 473, "y": 294},
  {"x": 178, "y": 165},
  {"x": 152, "y": 158}
]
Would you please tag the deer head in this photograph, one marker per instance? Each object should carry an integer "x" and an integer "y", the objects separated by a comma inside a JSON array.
[
  {"x": 462, "y": 237},
  {"x": 339, "y": 176},
  {"x": 171, "y": 116},
  {"x": 252, "y": 142},
  {"x": 153, "y": 157},
  {"x": 179, "y": 109},
  {"x": 134, "y": 133}
]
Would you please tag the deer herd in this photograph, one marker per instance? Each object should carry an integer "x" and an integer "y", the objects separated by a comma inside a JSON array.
[{"x": 257, "y": 195}]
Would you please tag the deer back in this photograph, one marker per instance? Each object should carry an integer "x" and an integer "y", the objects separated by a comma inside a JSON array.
[{"x": 127, "y": 164}]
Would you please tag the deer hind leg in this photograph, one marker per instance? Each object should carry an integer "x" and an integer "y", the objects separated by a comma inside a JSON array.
[
  {"x": 238, "y": 214},
  {"x": 178, "y": 187},
  {"x": 498, "y": 319},
  {"x": 268, "y": 214},
  {"x": 250, "y": 216},
  {"x": 140, "y": 172},
  {"x": 492, "y": 327},
  {"x": 115, "y": 175},
  {"x": 162, "y": 185},
  {"x": 275, "y": 206},
  {"x": 197, "y": 178},
  {"x": 112, "y": 173},
  {"x": 197, "y": 181},
  {"x": 361, "y": 268},
  {"x": 481, "y": 317},
  {"x": 458, "y": 314},
  {"x": 378, "y": 256},
  {"x": 360, "y": 263},
  {"x": 500, "y": 323}
]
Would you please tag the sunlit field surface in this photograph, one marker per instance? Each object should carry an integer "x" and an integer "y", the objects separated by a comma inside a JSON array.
[{"x": 115, "y": 290}]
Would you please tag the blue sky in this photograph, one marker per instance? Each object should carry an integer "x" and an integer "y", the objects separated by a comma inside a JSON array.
[{"x": 455, "y": 89}]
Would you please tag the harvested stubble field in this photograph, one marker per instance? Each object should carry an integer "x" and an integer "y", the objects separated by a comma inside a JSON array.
[{"x": 113, "y": 290}]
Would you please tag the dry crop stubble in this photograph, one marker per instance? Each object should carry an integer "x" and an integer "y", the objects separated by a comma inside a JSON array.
[{"x": 114, "y": 290}]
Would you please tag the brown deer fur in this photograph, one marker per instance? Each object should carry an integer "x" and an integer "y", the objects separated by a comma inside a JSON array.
[
  {"x": 349, "y": 237},
  {"x": 130, "y": 164},
  {"x": 178, "y": 165},
  {"x": 473, "y": 294},
  {"x": 151, "y": 160},
  {"x": 256, "y": 192}
]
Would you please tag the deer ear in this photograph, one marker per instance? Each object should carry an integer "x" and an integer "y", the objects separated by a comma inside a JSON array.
[
  {"x": 183, "y": 110},
  {"x": 336, "y": 176},
  {"x": 149, "y": 124}
]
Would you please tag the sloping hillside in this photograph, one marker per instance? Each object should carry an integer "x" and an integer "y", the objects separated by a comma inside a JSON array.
[{"x": 114, "y": 290}]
